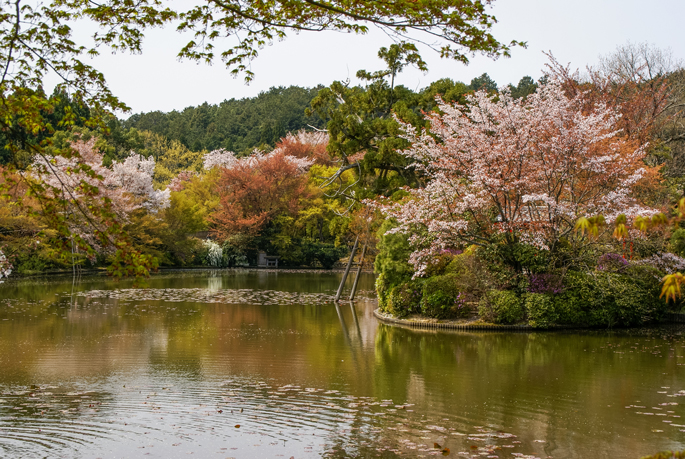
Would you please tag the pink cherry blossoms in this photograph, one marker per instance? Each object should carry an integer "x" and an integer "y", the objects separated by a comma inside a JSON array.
[
  {"x": 527, "y": 168},
  {"x": 127, "y": 185},
  {"x": 228, "y": 160}
]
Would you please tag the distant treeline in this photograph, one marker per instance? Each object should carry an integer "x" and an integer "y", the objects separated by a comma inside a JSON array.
[
  {"x": 237, "y": 125},
  {"x": 240, "y": 125}
]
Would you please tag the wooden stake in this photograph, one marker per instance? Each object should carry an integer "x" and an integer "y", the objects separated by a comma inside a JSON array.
[
  {"x": 359, "y": 271},
  {"x": 347, "y": 270}
]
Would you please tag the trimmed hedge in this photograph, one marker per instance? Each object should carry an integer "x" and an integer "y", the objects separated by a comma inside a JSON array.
[
  {"x": 442, "y": 298},
  {"x": 501, "y": 307}
]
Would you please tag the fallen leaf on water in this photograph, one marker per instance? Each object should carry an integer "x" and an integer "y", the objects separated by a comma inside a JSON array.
[
  {"x": 446, "y": 452},
  {"x": 436, "y": 446},
  {"x": 237, "y": 426}
]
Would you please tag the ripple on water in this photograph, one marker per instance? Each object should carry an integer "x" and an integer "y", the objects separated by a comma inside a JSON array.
[{"x": 237, "y": 417}]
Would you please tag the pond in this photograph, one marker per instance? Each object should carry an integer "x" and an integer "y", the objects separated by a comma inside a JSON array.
[{"x": 250, "y": 364}]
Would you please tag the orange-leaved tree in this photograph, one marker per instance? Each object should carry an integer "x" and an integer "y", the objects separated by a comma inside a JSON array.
[{"x": 254, "y": 190}]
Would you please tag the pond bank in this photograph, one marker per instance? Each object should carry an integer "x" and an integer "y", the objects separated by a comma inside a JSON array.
[
  {"x": 420, "y": 322},
  {"x": 163, "y": 270}
]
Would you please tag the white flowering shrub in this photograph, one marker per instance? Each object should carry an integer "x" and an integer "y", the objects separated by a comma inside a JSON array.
[
  {"x": 5, "y": 266},
  {"x": 134, "y": 175},
  {"x": 664, "y": 261},
  {"x": 214, "y": 253},
  {"x": 227, "y": 160}
]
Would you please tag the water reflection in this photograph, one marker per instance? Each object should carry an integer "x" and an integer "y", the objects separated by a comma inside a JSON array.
[
  {"x": 173, "y": 369},
  {"x": 215, "y": 281}
]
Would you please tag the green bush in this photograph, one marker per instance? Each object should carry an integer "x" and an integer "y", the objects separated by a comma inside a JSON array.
[
  {"x": 438, "y": 265},
  {"x": 383, "y": 292},
  {"x": 393, "y": 255},
  {"x": 667, "y": 455},
  {"x": 473, "y": 279},
  {"x": 501, "y": 307},
  {"x": 442, "y": 298},
  {"x": 605, "y": 299},
  {"x": 327, "y": 254},
  {"x": 677, "y": 242},
  {"x": 541, "y": 310},
  {"x": 405, "y": 299}
]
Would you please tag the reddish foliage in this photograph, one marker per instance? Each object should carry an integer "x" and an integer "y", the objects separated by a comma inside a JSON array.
[
  {"x": 306, "y": 145},
  {"x": 641, "y": 99},
  {"x": 252, "y": 193}
]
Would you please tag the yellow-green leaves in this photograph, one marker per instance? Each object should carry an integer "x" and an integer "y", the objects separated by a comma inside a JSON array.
[
  {"x": 590, "y": 226},
  {"x": 671, "y": 286},
  {"x": 621, "y": 230}
]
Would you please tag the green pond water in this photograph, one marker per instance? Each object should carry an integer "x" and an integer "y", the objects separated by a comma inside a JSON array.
[{"x": 249, "y": 364}]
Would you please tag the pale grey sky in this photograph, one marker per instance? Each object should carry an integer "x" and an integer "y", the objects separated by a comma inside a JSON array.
[{"x": 575, "y": 31}]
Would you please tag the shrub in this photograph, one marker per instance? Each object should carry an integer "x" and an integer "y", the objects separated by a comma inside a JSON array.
[
  {"x": 606, "y": 299},
  {"x": 677, "y": 242},
  {"x": 541, "y": 310},
  {"x": 327, "y": 254},
  {"x": 393, "y": 255},
  {"x": 382, "y": 291},
  {"x": 442, "y": 298},
  {"x": 544, "y": 283},
  {"x": 612, "y": 262},
  {"x": 473, "y": 279},
  {"x": 405, "y": 299},
  {"x": 233, "y": 255},
  {"x": 501, "y": 307},
  {"x": 438, "y": 265}
]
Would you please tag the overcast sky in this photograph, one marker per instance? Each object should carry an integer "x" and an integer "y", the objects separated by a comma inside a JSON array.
[{"x": 575, "y": 31}]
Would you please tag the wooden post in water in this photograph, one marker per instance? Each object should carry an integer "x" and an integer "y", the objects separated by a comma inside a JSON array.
[
  {"x": 359, "y": 270},
  {"x": 347, "y": 270}
]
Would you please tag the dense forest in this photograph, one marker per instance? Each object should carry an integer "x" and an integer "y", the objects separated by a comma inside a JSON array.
[{"x": 235, "y": 125}]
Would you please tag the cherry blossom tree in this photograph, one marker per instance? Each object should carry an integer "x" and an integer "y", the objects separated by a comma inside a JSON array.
[
  {"x": 524, "y": 169},
  {"x": 76, "y": 180},
  {"x": 305, "y": 144},
  {"x": 227, "y": 159}
]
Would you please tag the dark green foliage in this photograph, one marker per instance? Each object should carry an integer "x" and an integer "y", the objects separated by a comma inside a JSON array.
[
  {"x": 521, "y": 256},
  {"x": 362, "y": 124},
  {"x": 439, "y": 265},
  {"x": 667, "y": 455},
  {"x": 391, "y": 265},
  {"x": 64, "y": 110},
  {"x": 233, "y": 255},
  {"x": 442, "y": 298},
  {"x": 541, "y": 310},
  {"x": 405, "y": 299},
  {"x": 605, "y": 299},
  {"x": 525, "y": 87},
  {"x": 236, "y": 125},
  {"x": 677, "y": 242},
  {"x": 501, "y": 307},
  {"x": 472, "y": 276},
  {"x": 326, "y": 254},
  {"x": 393, "y": 253},
  {"x": 483, "y": 82}
]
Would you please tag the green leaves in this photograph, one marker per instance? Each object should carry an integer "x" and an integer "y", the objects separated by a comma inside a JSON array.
[{"x": 455, "y": 29}]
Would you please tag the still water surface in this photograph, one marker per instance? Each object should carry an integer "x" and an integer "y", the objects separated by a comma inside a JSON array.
[{"x": 263, "y": 364}]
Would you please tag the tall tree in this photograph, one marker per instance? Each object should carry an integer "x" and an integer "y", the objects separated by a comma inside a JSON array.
[
  {"x": 363, "y": 127},
  {"x": 525, "y": 169}
]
